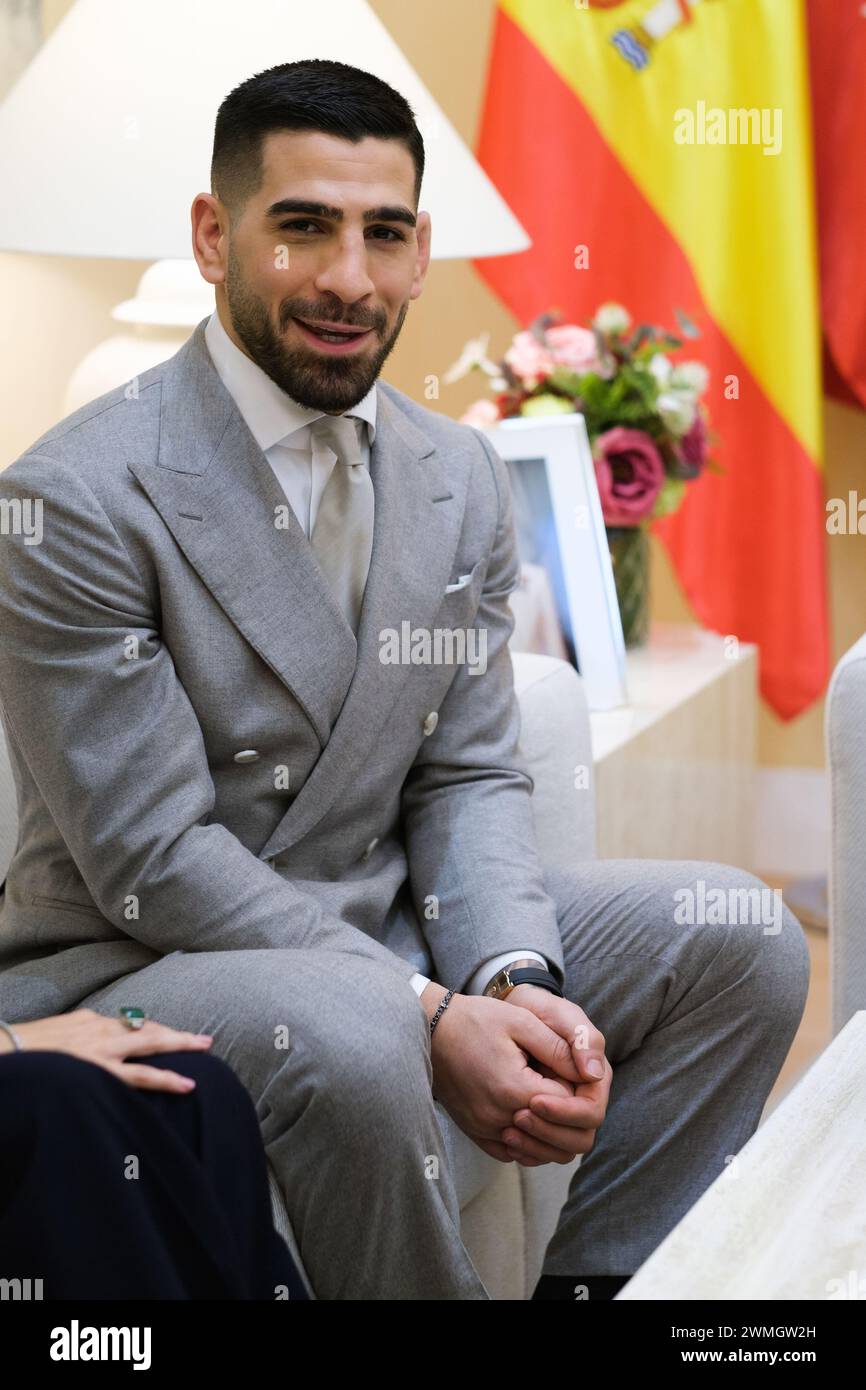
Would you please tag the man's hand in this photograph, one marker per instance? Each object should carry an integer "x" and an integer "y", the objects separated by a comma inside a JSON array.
[
  {"x": 481, "y": 1069},
  {"x": 555, "y": 1129}
]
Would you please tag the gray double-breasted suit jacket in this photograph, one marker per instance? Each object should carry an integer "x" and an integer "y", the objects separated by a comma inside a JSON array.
[{"x": 205, "y": 756}]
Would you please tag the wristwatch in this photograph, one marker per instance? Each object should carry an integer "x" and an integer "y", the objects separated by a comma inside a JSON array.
[{"x": 515, "y": 974}]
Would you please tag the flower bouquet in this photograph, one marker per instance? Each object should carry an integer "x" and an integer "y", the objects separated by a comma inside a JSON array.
[{"x": 644, "y": 416}]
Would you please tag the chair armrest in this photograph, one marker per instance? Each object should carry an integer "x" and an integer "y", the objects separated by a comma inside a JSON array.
[
  {"x": 556, "y": 744},
  {"x": 8, "y": 809},
  {"x": 845, "y": 736}
]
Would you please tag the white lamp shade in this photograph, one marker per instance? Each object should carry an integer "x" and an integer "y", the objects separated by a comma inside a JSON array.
[{"x": 107, "y": 135}]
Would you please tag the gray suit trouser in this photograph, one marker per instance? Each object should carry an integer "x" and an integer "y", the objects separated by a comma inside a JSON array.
[{"x": 697, "y": 1018}]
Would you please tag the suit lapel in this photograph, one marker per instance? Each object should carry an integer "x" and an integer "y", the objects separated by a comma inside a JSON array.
[
  {"x": 417, "y": 523},
  {"x": 218, "y": 495}
]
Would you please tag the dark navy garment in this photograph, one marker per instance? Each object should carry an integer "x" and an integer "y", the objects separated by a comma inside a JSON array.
[{"x": 110, "y": 1192}]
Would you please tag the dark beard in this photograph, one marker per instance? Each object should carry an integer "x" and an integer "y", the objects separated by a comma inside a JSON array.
[{"x": 316, "y": 381}]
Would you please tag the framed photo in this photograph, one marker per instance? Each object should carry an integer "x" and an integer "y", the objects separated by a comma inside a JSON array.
[{"x": 560, "y": 527}]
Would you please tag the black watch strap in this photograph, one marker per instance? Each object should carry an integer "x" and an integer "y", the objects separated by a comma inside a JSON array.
[{"x": 534, "y": 975}]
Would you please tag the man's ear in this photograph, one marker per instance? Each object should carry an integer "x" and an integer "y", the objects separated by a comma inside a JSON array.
[
  {"x": 423, "y": 231},
  {"x": 209, "y": 219}
]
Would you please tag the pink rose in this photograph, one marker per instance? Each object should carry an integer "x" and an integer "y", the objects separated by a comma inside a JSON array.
[
  {"x": 480, "y": 414},
  {"x": 529, "y": 359},
  {"x": 630, "y": 474},
  {"x": 692, "y": 449},
  {"x": 573, "y": 347}
]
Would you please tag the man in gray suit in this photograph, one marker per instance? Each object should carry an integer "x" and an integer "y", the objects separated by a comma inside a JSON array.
[{"x": 238, "y": 814}]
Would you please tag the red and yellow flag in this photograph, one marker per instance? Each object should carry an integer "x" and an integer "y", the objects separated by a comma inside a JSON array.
[
  {"x": 837, "y": 47},
  {"x": 658, "y": 153}
]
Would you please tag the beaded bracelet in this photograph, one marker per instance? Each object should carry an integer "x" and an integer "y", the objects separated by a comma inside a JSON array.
[
  {"x": 445, "y": 1001},
  {"x": 12, "y": 1035}
]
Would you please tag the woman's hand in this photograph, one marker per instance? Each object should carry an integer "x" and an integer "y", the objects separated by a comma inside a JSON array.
[{"x": 108, "y": 1043}]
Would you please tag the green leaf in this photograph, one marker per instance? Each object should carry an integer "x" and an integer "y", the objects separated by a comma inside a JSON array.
[
  {"x": 670, "y": 497},
  {"x": 687, "y": 327},
  {"x": 565, "y": 380},
  {"x": 640, "y": 335},
  {"x": 546, "y": 404}
]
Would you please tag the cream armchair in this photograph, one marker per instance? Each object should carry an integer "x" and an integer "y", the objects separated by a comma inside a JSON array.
[{"x": 845, "y": 732}]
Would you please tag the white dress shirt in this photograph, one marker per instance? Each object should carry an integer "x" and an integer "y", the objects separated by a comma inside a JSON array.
[{"x": 281, "y": 428}]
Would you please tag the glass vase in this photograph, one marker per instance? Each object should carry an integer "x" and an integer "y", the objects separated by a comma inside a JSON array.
[{"x": 629, "y": 552}]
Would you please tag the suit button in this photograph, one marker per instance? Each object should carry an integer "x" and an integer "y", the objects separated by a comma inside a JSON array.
[
  {"x": 371, "y": 846},
  {"x": 247, "y": 755},
  {"x": 430, "y": 723}
]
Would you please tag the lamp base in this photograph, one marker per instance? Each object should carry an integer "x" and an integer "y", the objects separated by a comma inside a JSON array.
[{"x": 171, "y": 298}]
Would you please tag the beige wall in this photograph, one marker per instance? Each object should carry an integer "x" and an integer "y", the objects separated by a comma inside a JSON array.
[{"x": 59, "y": 308}]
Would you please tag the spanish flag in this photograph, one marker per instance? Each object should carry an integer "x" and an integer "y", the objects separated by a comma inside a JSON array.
[
  {"x": 658, "y": 152},
  {"x": 837, "y": 47}
]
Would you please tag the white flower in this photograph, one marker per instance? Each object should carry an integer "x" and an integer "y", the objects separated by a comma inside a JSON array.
[
  {"x": 678, "y": 410},
  {"x": 660, "y": 367},
  {"x": 690, "y": 376},
  {"x": 474, "y": 354},
  {"x": 611, "y": 318}
]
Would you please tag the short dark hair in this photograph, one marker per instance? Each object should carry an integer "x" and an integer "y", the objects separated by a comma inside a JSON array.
[{"x": 313, "y": 94}]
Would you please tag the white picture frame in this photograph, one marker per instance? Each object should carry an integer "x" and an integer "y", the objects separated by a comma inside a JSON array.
[{"x": 559, "y": 525}]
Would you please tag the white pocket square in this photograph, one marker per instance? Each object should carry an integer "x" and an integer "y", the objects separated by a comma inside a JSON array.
[{"x": 460, "y": 584}]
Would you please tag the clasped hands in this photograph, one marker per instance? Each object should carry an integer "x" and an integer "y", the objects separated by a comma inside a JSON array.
[{"x": 518, "y": 1075}]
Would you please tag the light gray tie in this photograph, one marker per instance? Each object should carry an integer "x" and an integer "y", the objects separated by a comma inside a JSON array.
[{"x": 343, "y": 531}]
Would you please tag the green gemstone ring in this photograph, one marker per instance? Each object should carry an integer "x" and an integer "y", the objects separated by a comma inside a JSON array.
[{"x": 133, "y": 1018}]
